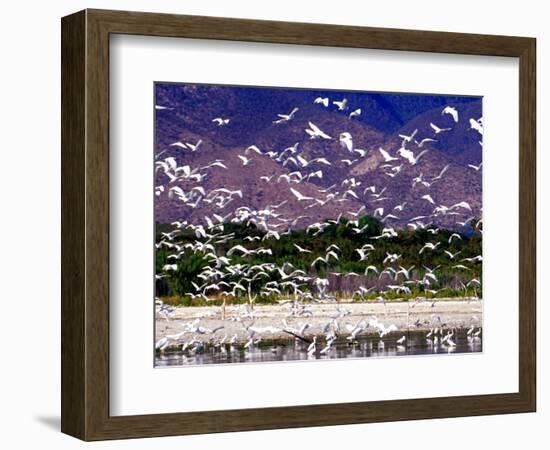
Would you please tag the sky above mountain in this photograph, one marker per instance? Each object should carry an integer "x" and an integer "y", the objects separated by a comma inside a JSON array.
[{"x": 386, "y": 112}]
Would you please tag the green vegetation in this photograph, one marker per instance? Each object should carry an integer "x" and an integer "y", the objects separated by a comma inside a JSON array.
[{"x": 345, "y": 274}]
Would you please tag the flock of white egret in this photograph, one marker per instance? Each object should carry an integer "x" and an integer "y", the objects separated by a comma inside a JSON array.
[{"x": 225, "y": 275}]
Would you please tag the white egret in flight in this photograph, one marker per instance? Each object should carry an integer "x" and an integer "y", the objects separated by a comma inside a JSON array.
[
  {"x": 451, "y": 111},
  {"x": 322, "y": 100},
  {"x": 220, "y": 121},
  {"x": 315, "y": 132},
  {"x": 438, "y": 130}
]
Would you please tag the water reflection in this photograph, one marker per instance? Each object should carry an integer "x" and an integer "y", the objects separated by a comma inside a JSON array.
[{"x": 294, "y": 350}]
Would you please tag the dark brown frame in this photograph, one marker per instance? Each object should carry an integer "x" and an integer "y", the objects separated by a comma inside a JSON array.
[{"x": 85, "y": 224}]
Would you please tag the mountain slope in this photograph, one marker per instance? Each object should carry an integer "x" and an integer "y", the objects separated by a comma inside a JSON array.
[{"x": 333, "y": 179}]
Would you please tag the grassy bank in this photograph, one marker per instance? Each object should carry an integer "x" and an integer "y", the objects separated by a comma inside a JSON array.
[{"x": 341, "y": 297}]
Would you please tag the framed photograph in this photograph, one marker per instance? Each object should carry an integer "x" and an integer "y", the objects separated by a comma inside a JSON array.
[{"x": 273, "y": 225}]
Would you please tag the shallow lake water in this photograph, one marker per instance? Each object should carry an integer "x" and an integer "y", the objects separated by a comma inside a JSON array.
[{"x": 296, "y": 350}]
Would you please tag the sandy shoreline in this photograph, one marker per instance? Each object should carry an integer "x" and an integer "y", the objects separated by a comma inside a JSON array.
[{"x": 268, "y": 319}]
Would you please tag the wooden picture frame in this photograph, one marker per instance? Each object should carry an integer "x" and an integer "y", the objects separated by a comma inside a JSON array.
[{"x": 85, "y": 224}]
